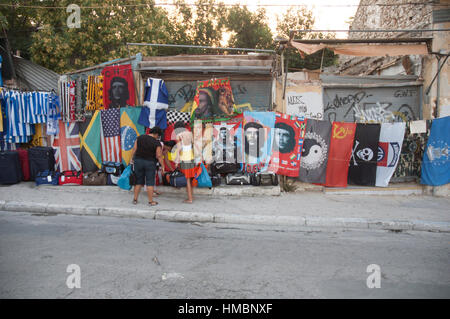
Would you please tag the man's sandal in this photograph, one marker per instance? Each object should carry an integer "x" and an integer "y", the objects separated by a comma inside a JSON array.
[{"x": 153, "y": 203}]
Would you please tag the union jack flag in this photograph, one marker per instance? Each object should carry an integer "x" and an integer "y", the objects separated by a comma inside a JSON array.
[
  {"x": 111, "y": 135},
  {"x": 67, "y": 146}
]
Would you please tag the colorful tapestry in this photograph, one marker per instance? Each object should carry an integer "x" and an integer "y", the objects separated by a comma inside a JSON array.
[
  {"x": 342, "y": 136},
  {"x": 118, "y": 86},
  {"x": 90, "y": 143},
  {"x": 436, "y": 163},
  {"x": 129, "y": 131},
  {"x": 110, "y": 135},
  {"x": 289, "y": 132},
  {"x": 257, "y": 140},
  {"x": 389, "y": 148},
  {"x": 213, "y": 98},
  {"x": 67, "y": 147},
  {"x": 314, "y": 158},
  {"x": 363, "y": 162}
]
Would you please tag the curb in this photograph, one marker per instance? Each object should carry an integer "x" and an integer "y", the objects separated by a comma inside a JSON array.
[{"x": 201, "y": 217}]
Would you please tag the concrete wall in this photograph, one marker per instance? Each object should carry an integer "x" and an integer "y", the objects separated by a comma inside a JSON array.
[{"x": 413, "y": 16}]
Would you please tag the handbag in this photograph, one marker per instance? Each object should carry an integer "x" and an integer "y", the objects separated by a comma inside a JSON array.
[
  {"x": 177, "y": 179},
  {"x": 47, "y": 177},
  {"x": 202, "y": 177},
  {"x": 71, "y": 178},
  {"x": 97, "y": 178},
  {"x": 239, "y": 178},
  {"x": 265, "y": 179}
]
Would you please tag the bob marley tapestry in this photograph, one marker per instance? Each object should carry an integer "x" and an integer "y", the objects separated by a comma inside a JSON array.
[{"x": 213, "y": 98}]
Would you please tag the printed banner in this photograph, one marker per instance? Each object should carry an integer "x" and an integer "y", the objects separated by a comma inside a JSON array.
[
  {"x": 67, "y": 146},
  {"x": 227, "y": 140},
  {"x": 363, "y": 162},
  {"x": 389, "y": 149},
  {"x": 257, "y": 140},
  {"x": 118, "y": 86},
  {"x": 289, "y": 132},
  {"x": 436, "y": 164},
  {"x": 90, "y": 143},
  {"x": 316, "y": 145},
  {"x": 342, "y": 136},
  {"x": 213, "y": 98},
  {"x": 129, "y": 131}
]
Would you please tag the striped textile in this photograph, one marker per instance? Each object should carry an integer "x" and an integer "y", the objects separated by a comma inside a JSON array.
[{"x": 110, "y": 133}]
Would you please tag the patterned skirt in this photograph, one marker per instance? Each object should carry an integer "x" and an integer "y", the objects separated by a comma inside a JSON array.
[{"x": 188, "y": 169}]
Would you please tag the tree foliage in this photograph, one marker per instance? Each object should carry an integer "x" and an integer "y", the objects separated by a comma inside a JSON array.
[
  {"x": 302, "y": 19},
  {"x": 42, "y": 34},
  {"x": 249, "y": 30}
]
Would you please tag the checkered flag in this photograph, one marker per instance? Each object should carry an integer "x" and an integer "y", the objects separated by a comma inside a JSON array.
[{"x": 175, "y": 116}]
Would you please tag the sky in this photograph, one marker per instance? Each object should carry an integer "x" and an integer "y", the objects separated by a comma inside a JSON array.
[{"x": 328, "y": 14}]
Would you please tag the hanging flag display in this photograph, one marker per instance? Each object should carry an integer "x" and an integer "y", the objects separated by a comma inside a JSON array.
[
  {"x": 227, "y": 140},
  {"x": 129, "y": 131},
  {"x": 389, "y": 149},
  {"x": 363, "y": 162},
  {"x": 213, "y": 98},
  {"x": 156, "y": 102},
  {"x": 67, "y": 146},
  {"x": 436, "y": 163},
  {"x": 110, "y": 135},
  {"x": 257, "y": 140},
  {"x": 118, "y": 86},
  {"x": 342, "y": 136},
  {"x": 316, "y": 145},
  {"x": 90, "y": 143},
  {"x": 289, "y": 132}
]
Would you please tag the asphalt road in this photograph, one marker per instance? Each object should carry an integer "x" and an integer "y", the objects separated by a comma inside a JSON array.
[{"x": 137, "y": 258}]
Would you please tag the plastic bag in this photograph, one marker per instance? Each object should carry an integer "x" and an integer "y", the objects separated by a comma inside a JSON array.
[
  {"x": 202, "y": 177},
  {"x": 124, "y": 179}
]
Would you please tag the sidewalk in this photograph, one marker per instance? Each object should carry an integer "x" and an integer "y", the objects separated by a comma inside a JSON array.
[{"x": 238, "y": 205}]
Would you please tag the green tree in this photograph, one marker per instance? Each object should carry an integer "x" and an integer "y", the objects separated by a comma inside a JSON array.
[
  {"x": 200, "y": 25},
  {"x": 19, "y": 24},
  {"x": 248, "y": 29},
  {"x": 303, "y": 19},
  {"x": 106, "y": 27}
]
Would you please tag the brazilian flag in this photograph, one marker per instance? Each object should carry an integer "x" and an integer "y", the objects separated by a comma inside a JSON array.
[
  {"x": 90, "y": 143},
  {"x": 129, "y": 131}
]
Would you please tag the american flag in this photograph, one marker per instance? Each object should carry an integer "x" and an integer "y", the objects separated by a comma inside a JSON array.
[
  {"x": 111, "y": 135},
  {"x": 67, "y": 145}
]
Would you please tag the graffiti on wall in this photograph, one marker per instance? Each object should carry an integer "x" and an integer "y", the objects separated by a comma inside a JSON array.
[
  {"x": 257, "y": 93},
  {"x": 372, "y": 104}
]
